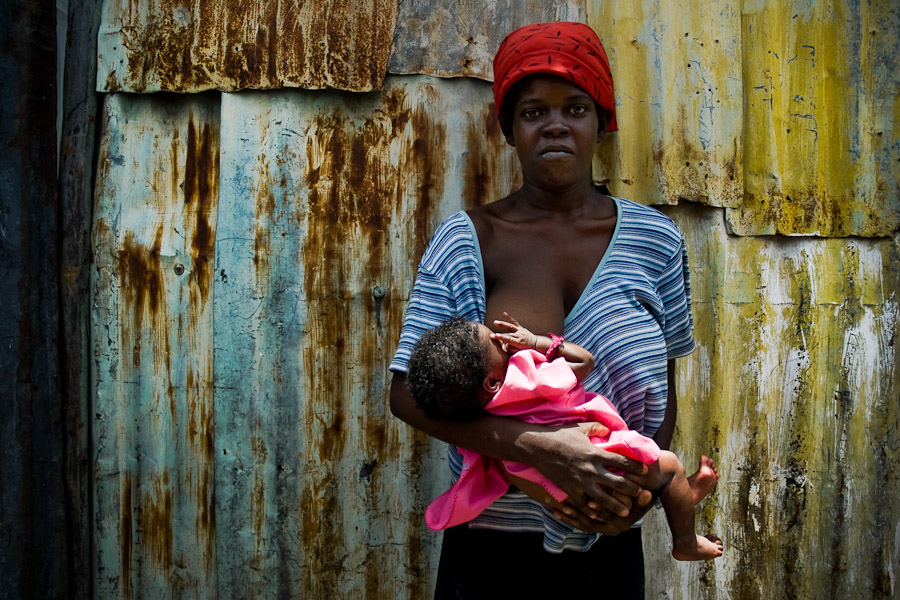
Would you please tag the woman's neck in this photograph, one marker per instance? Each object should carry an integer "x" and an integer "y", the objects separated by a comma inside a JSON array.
[{"x": 573, "y": 201}]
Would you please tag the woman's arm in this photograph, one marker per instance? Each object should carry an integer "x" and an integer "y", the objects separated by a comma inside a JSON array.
[
  {"x": 663, "y": 435},
  {"x": 566, "y": 456}
]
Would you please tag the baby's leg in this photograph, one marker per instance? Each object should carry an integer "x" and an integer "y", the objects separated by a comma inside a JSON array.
[
  {"x": 704, "y": 480},
  {"x": 678, "y": 501}
]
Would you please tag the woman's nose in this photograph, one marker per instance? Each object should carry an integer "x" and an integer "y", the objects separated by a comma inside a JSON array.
[{"x": 555, "y": 125}]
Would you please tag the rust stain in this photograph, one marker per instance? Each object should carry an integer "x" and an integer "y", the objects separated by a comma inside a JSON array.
[
  {"x": 479, "y": 169},
  {"x": 265, "y": 218},
  {"x": 258, "y": 492},
  {"x": 201, "y": 177},
  {"x": 323, "y": 536},
  {"x": 173, "y": 46},
  {"x": 126, "y": 527},
  {"x": 142, "y": 283},
  {"x": 354, "y": 191},
  {"x": 155, "y": 520}
]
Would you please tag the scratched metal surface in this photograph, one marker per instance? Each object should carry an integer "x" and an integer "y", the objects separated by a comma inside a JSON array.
[
  {"x": 325, "y": 203},
  {"x": 822, "y": 118},
  {"x": 459, "y": 39},
  {"x": 165, "y": 45},
  {"x": 677, "y": 72}
]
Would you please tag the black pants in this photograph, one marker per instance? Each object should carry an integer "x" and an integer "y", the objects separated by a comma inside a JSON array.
[{"x": 479, "y": 563}]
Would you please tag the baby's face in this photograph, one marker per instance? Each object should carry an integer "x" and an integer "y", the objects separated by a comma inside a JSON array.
[{"x": 497, "y": 357}]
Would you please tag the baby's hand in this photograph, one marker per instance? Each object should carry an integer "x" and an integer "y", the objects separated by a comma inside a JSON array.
[{"x": 518, "y": 337}]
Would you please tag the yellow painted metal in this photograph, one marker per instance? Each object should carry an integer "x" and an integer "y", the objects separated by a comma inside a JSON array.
[
  {"x": 785, "y": 111},
  {"x": 677, "y": 72},
  {"x": 822, "y": 99},
  {"x": 793, "y": 391}
]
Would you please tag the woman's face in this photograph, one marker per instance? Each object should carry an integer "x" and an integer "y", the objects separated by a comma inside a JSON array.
[{"x": 555, "y": 130}]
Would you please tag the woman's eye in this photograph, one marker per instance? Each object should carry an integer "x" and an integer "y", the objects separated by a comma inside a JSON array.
[
  {"x": 578, "y": 109},
  {"x": 530, "y": 113}
]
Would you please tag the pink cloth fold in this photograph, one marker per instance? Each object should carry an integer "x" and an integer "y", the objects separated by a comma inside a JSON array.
[{"x": 536, "y": 391}]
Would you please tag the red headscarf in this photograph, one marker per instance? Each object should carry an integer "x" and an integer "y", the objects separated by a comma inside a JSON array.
[{"x": 570, "y": 50}]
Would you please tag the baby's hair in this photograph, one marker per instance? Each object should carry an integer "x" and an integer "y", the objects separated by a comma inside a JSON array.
[{"x": 447, "y": 367}]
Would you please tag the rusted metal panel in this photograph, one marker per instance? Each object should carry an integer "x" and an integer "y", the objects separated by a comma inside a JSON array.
[
  {"x": 296, "y": 263},
  {"x": 459, "y": 39},
  {"x": 177, "y": 46},
  {"x": 822, "y": 99},
  {"x": 154, "y": 520},
  {"x": 793, "y": 391},
  {"x": 328, "y": 203},
  {"x": 677, "y": 72}
]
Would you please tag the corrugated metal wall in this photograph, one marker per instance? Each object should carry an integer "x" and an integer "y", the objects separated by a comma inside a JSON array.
[
  {"x": 253, "y": 252},
  {"x": 33, "y": 516}
]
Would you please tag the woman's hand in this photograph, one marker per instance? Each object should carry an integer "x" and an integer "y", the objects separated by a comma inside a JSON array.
[
  {"x": 599, "y": 500},
  {"x": 602, "y": 521}
]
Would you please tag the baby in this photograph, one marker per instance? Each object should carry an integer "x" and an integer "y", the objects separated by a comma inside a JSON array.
[{"x": 460, "y": 368}]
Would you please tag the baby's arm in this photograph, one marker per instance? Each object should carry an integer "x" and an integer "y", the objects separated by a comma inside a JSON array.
[{"x": 579, "y": 360}]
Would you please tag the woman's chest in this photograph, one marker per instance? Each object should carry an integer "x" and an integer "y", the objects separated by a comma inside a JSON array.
[{"x": 539, "y": 276}]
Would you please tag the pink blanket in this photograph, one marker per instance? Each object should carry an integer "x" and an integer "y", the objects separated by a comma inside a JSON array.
[{"x": 537, "y": 391}]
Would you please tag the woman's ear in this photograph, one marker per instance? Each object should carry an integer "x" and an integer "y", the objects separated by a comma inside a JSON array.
[
  {"x": 603, "y": 119},
  {"x": 510, "y": 139},
  {"x": 492, "y": 385},
  {"x": 602, "y": 127}
]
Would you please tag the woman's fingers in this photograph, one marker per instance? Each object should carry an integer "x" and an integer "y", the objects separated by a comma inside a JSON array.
[
  {"x": 594, "y": 429},
  {"x": 614, "y": 503},
  {"x": 613, "y": 461},
  {"x": 612, "y": 525}
]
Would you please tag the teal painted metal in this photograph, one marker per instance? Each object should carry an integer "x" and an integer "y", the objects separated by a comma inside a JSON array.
[
  {"x": 152, "y": 331},
  {"x": 328, "y": 198},
  {"x": 285, "y": 476}
]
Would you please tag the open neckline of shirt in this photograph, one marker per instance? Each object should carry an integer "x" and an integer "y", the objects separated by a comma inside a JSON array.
[{"x": 590, "y": 284}]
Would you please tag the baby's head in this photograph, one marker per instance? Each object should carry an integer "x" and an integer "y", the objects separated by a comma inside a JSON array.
[{"x": 455, "y": 369}]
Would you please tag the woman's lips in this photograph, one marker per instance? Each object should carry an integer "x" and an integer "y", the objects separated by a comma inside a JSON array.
[{"x": 555, "y": 150}]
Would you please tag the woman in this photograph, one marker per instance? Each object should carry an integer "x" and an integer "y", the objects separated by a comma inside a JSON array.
[{"x": 562, "y": 256}]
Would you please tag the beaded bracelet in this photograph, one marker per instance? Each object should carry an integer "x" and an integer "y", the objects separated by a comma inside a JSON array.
[{"x": 555, "y": 343}]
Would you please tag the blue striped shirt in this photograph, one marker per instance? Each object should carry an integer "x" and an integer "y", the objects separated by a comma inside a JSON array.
[{"x": 633, "y": 316}]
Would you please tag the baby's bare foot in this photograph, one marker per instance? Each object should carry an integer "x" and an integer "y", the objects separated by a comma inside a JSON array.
[
  {"x": 697, "y": 547},
  {"x": 704, "y": 480}
]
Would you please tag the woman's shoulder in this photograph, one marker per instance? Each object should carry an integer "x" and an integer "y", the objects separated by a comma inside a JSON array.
[
  {"x": 456, "y": 224},
  {"x": 453, "y": 237},
  {"x": 642, "y": 220}
]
